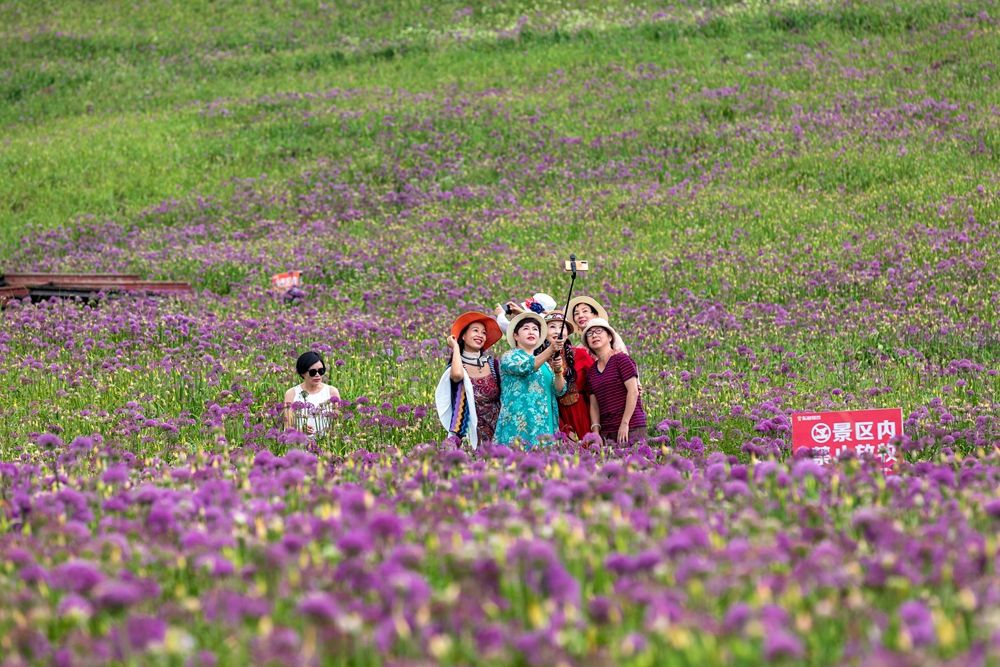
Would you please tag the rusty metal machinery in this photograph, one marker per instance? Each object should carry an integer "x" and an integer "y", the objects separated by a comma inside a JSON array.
[{"x": 40, "y": 286}]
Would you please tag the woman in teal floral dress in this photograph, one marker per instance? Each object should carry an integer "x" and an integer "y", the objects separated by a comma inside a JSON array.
[{"x": 528, "y": 386}]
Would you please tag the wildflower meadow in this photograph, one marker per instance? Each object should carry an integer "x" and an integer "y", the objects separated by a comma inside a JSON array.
[{"x": 787, "y": 206}]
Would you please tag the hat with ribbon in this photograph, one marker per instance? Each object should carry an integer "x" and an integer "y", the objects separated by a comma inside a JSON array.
[{"x": 539, "y": 303}]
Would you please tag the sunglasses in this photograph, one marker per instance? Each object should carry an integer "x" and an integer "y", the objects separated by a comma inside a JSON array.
[{"x": 313, "y": 372}]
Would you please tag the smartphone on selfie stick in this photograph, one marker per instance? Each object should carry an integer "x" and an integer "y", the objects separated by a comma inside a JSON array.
[{"x": 572, "y": 266}]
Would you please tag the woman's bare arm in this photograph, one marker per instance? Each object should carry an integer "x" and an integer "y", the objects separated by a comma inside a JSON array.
[
  {"x": 632, "y": 386},
  {"x": 595, "y": 413},
  {"x": 289, "y": 415}
]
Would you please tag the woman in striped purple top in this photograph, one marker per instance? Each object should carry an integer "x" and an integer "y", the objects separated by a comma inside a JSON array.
[{"x": 613, "y": 384}]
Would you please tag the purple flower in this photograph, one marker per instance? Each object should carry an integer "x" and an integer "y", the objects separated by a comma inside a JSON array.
[
  {"x": 319, "y": 606},
  {"x": 202, "y": 658},
  {"x": 32, "y": 573},
  {"x": 386, "y": 525},
  {"x": 116, "y": 594},
  {"x": 299, "y": 458},
  {"x": 75, "y": 604},
  {"x": 686, "y": 539},
  {"x": 49, "y": 442},
  {"x": 807, "y": 467},
  {"x": 634, "y": 642},
  {"x": 620, "y": 564},
  {"x": 918, "y": 622},
  {"x": 599, "y": 609},
  {"x": 82, "y": 444},
  {"x": 143, "y": 631},
  {"x": 355, "y": 542},
  {"x": 233, "y": 607},
  {"x": 455, "y": 457},
  {"x": 531, "y": 463},
  {"x": 992, "y": 507},
  {"x": 779, "y": 644},
  {"x": 77, "y": 575},
  {"x": 491, "y": 637},
  {"x": 216, "y": 565},
  {"x": 736, "y": 617},
  {"x": 116, "y": 474}
]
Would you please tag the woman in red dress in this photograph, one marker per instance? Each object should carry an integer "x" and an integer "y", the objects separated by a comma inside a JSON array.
[{"x": 574, "y": 411}]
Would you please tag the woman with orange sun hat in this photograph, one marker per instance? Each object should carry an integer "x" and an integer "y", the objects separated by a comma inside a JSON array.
[{"x": 468, "y": 393}]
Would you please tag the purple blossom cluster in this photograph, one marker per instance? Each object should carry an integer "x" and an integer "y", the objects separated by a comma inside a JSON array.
[{"x": 516, "y": 557}]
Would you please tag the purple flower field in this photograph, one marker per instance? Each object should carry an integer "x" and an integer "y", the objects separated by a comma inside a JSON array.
[
  {"x": 558, "y": 556},
  {"x": 787, "y": 207}
]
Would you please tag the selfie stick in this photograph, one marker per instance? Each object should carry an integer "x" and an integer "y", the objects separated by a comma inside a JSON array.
[{"x": 572, "y": 264}]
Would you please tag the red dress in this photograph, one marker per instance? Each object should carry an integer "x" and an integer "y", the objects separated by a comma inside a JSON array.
[{"x": 574, "y": 406}]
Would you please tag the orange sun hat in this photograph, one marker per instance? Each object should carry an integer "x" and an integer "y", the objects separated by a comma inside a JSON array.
[{"x": 493, "y": 333}]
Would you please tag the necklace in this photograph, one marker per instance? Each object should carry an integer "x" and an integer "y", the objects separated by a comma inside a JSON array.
[{"x": 478, "y": 360}]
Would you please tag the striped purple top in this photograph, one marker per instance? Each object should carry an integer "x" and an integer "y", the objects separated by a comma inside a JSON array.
[{"x": 609, "y": 390}]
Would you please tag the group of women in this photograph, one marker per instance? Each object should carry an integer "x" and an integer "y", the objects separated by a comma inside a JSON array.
[{"x": 542, "y": 385}]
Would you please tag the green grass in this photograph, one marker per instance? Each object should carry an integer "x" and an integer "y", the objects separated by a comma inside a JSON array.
[{"x": 115, "y": 122}]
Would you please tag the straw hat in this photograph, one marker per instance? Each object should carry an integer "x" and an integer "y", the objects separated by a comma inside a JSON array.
[
  {"x": 596, "y": 307},
  {"x": 558, "y": 316},
  {"x": 493, "y": 333},
  {"x": 527, "y": 315},
  {"x": 616, "y": 340}
]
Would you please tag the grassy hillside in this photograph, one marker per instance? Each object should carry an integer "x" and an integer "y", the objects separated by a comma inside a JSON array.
[{"x": 114, "y": 107}]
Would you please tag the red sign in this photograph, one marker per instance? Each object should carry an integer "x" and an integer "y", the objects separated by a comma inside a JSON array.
[
  {"x": 287, "y": 279},
  {"x": 865, "y": 432}
]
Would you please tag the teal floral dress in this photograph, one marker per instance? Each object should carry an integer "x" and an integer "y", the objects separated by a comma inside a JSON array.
[{"x": 528, "y": 405}]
